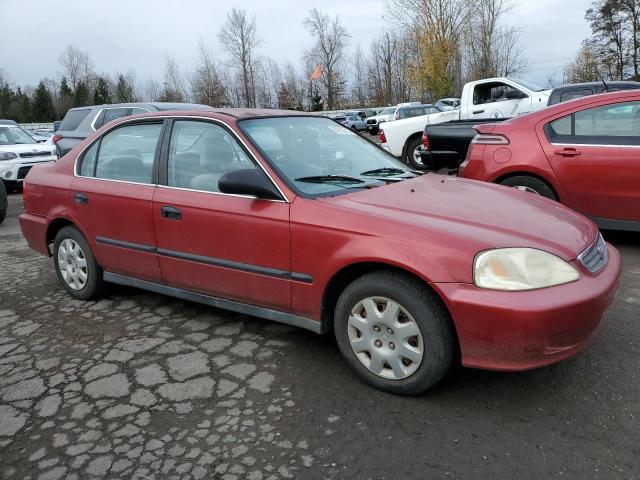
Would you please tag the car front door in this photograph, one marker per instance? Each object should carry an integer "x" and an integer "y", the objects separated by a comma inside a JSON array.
[
  {"x": 111, "y": 198},
  {"x": 595, "y": 155},
  {"x": 499, "y": 100},
  {"x": 230, "y": 246}
]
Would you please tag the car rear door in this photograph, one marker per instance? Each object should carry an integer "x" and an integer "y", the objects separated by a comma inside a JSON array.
[
  {"x": 595, "y": 155},
  {"x": 230, "y": 246},
  {"x": 112, "y": 195}
]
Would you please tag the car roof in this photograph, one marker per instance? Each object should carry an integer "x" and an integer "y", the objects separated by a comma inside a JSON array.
[
  {"x": 217, "y": 113},
  {"x": 617, "y": 83},
  {"x": 8, "y": 122}
]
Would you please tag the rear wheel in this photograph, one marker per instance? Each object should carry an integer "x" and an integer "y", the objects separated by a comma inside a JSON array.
[
  {"x": 412, "y": 153},
  {"x": 531, "y": 184},
  {"x": 353, "y": 127},
  {"x": 75, "y": 264},
  {"x": 394, "y": 332}
]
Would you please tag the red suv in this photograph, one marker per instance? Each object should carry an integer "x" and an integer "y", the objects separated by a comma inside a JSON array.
[
  {"x": 584, "y": 153},
  {"x": 296, "y": 219}
]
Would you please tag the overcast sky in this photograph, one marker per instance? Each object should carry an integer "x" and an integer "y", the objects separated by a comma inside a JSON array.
[{"x": 123, "y": 35}]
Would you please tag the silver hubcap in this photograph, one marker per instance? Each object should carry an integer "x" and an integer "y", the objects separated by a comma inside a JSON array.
[
  {"x": 72, "y": 264},
  {"x": 385, "y": 338},
  {"x": 416, "y": 155},
  {"x": 526, "y": 189}
]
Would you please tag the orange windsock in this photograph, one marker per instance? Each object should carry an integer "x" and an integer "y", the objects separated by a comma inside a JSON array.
[{"x": 316, "y": 73}]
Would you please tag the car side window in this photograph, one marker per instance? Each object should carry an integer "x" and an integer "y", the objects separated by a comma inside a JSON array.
[
  {"x": 202, "y": 152},
  {"x": 495, "y": 92},
  {"x": 126, "y": 153},
  {"x": 615, "y": 124},
  {"x": 573, "y": 94},
  {"x": 88, "y": 162}
]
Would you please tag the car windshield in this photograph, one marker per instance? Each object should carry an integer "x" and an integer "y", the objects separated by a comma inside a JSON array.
[
  {"x": 388, "y": 111},
  {"x": 528, "y": 85},
  {"x": 318, "y": 157},
  {"x": 12, "y": 135}
]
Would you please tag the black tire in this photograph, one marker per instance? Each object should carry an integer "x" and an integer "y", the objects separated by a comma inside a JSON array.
[
  {"x": 94, "y": 285},
  {"x": 412, "y": 144},
  {"x": 354, "y": 129},
  {"x": 3, "y": 215},
  {"x": 429, "y": 313},
  {"x": 536, "y": 186}
]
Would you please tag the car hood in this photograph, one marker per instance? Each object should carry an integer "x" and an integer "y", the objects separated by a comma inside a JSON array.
[
  {"x": 489, "y": 216},
  {"x": 28, "y": 148}
]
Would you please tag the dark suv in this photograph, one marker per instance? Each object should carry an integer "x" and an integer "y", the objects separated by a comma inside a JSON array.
[
  {"x": 80, "y": 122},
  {"x": 564, "y": 93}
]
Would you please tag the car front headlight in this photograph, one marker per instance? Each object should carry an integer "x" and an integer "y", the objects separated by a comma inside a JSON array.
[
  {"x": 7, "y": 156},
  {"x": 521, "y": 269}
]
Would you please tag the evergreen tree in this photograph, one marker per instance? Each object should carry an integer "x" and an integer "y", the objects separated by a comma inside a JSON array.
[
  {"x": 6, "y": 98},
  {"x": 81, "y": 95},
  {"x": 101, "y": 94},
  {"x": 43, "y": 110},
  {"x": 124, "y": 91},
  {"x": 21, "y": 108},
  {"x": 65, "y": 99}
]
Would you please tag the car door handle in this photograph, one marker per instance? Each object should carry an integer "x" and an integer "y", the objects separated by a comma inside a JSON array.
[
  {"x": 567, "y": 152},
  {"x": 477, "y": 111},
  {"x": 81, "y": 198},
  {"x": 172, "y": 213}
]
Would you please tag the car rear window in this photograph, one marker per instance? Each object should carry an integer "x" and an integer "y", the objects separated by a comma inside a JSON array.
[{"x": 73, "y": 118}]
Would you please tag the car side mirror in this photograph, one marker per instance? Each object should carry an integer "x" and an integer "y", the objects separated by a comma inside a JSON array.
[
  {"x": 248, "y": 182},
  {"x": 513, "y": 94}
]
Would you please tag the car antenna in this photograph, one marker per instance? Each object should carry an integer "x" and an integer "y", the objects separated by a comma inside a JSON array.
[{"x": 606, "y": 87}]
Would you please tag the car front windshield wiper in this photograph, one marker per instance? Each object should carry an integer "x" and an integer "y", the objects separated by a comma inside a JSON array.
[
  {"x": 329, "y": 179},
  {"x": 385, "y": 171}
]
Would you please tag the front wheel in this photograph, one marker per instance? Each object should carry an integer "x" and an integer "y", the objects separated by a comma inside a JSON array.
[
  {"x": 75, "y": 265},
  {"x": 532, "y": 185},
  {"x": 394, "y": 332},
  {"x": 412, "y": 154}
]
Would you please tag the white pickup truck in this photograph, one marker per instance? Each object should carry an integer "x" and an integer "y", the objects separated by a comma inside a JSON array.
[{"x": 482, "y": 99}]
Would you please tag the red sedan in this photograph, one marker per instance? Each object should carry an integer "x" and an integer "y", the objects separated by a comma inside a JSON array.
[
  {"x": 584, "y": 153},
  {"x": 296, "y": 219}
]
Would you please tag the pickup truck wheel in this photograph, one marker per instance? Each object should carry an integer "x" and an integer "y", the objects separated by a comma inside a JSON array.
[
  {"x": 532, "y": 185},
  {"x": 75, "y": 265},
  {"x": 412, "y": 153},
  {"x": 394, "y": 332}
]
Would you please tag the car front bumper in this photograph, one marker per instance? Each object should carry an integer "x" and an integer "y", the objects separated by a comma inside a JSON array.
[
  {"x": 13, "y": 172},
  {"x": 513, "y": 331}
]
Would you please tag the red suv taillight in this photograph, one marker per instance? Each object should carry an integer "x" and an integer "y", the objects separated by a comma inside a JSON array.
[
  {"x": 56, "y": 138},
  {"x": 425, "y": 141},
  {"x": 490, "y": 139},
  {"x": 383, "y": 139}
]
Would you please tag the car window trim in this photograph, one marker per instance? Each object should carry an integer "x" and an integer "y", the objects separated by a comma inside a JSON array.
[
  {"x": 80, "y": 158},
  {"x": 128, "y": 121}
]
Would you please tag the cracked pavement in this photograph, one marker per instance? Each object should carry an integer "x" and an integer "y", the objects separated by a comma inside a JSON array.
[{"x": 138, "y": 385}]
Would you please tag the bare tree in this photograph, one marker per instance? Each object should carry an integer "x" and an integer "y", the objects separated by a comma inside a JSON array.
[
  {"x": 174, "y": 85},
  {"x": 586, "y": 67},
  {"x": 238, "y": 37},
  {"x": 151, "y": 90},
  {"x": 77, "y": 66},
  {"x": 328, "y": 51},
  {"x": 206, "y": 85}
]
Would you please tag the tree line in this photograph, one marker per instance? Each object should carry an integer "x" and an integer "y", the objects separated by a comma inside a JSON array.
[
  {"x": 432, "y": 48},
  {"x": 612, "y": 51}
]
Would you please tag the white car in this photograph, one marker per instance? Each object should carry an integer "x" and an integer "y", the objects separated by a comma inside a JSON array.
[
  {"x": 482, "y": 99},
  {"x": 19, "y": 152}
]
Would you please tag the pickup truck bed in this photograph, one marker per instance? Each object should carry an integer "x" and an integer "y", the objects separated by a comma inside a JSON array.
[{"x": 445, "y": 145}]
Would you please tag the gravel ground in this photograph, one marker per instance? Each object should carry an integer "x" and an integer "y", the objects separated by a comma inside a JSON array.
[{"x": 142, "y": 386}]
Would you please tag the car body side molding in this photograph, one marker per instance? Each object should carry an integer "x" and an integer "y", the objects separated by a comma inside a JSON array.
[
  {"x": 266, "y": 313},
  {"x": 610, "y": 224},
  {"x": 216, "y": 262}
]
